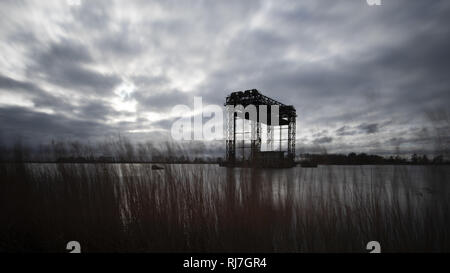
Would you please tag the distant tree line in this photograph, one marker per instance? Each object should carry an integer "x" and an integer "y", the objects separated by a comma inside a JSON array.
[
  {"x": 368, "y": 159},
  {"x": 155, "y": 159},
  {"x": 123, "y": 151}
]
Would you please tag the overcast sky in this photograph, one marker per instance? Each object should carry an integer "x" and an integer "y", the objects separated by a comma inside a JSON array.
[{"x": 362, "y": 78}]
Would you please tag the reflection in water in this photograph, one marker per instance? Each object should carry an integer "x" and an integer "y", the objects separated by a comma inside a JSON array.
[
  {"x": 397, "y": 185},
  {"x": 412, "y": 185},
  {"x": 209, "y": 208}
]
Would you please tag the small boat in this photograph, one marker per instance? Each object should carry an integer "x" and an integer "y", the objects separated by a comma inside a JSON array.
[
  {"x": 308, "y": 164},
  {"x": 156, "y": 167}
]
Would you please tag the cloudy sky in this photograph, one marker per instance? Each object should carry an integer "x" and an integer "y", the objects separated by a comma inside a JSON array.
[{"x": 362, "y": 78}]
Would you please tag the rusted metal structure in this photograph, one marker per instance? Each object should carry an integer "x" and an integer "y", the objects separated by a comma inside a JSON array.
[{"x": 279, "y": 122}]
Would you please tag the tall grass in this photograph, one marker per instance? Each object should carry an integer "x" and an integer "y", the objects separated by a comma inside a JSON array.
[{"x": 204, "y": 208}]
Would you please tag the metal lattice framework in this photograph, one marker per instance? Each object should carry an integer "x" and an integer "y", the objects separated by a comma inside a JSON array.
[{"x": 286, "y": 120}]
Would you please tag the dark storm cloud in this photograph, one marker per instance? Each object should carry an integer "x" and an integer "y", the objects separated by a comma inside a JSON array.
[
  {"x": 124, "y": 42},
  {"x": 323, "y": 140},
  {"x": 12, "y": 84},
  {"x": 20, "y": 122},
  {"x": 64, "y": 63},
  {"x": 166, "y": 100},
  {"x": 348, "y": 77},
  {"x": 345, "y": 131},
  {"x": 95, "y": 14},
  {"x": 38, "y": 96},
  {"x": 96, "y": 110},
  {"x": 355, "y": 73},
  {"x": 363, "y": 128},
  {"x": 320, "y": 134},
  {"x": 143, "y": 81},
  {"x": 65, "y": 51},
  {"x": 164, "y": 124},
  {"x": 369, "y": 128},
  {"x": 153, "y": 94},
  {"x": 88, "y": 109}
]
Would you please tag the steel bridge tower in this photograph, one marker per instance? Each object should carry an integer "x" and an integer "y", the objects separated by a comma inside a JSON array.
[{"x": 279, "y": 133}]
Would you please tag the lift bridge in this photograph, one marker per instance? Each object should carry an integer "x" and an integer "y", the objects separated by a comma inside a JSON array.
[{"x": 264, "y": 141}]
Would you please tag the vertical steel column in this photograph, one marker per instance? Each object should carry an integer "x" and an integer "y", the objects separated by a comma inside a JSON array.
[
  {"x": 231, "y": 136},
  {"x": 291, "y": 137},
  {"x": 294, "y": 132},
  {"x": 270, "y": 137},
  {"x": 243, "y": 138},
  {"x": 252, "y": 138},
  {"x": 234, "y": 137},
  {"x": 255, "y": 138},
  {"x": 258, "y": 136},
  {"x": 280, "y": 126}
]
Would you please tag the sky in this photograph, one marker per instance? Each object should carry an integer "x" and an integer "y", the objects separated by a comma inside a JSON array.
[{"x": 362, "y": 78}]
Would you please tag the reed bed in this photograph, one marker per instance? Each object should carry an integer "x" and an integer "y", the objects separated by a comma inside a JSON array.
[{"x": 204, "y": 208}]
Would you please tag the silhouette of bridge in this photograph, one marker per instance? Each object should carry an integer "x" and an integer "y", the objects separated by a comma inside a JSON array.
[{"x": 272, "y": 131}]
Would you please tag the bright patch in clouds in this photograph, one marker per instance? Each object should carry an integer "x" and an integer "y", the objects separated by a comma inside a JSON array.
[{"x": 123, "y": 102}]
